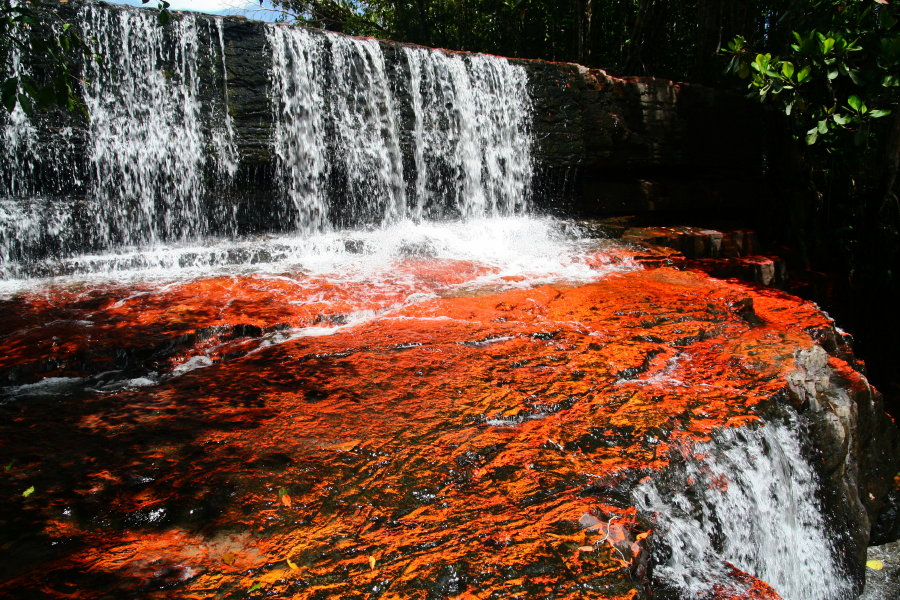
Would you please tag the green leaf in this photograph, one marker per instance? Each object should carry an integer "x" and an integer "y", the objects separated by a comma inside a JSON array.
[
  {"x": 761, "y": 62},
  {"x": 8, "y": 91},
  {"x": 856, "y": 104},
  {"x": 9, "y": 466},
  {"x": 25, "y": 103},
  {"x": 256, "y": 586},
  {"x": 787, "y": 68},
  {"x": 737, "y": 44},
  {"x": 823, "y": 126},
  {"x": 878, "y": 113},
  {"x": 28, "y": 492},
  {"x": 811, "y": 136},
  {"x": 803, "y": 75},
  {"x": 841, "y": 119},
  {"x": 832, "y": 74}
]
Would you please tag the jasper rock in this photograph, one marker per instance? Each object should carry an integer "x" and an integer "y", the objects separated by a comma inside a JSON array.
[{"x": 486, "y": 443}]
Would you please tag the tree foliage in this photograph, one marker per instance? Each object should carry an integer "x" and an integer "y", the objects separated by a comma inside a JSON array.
[
  {"x": 832, "y": 67},
  {"x": 636, "y": 36},
  {"x": 838, "y": 70},
  {"x": 36, "y": 29}
]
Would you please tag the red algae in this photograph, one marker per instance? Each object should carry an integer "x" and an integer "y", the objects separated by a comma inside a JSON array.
[{"x": 479, "y": 446}]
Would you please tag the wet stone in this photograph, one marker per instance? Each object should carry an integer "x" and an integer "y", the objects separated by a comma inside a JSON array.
[
  {"x": 883, "y": 583},
  {"x": 478, "y": 445}
]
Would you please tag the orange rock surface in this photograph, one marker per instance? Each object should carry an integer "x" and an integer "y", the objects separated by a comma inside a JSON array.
[{"x": 480, "y": 444}]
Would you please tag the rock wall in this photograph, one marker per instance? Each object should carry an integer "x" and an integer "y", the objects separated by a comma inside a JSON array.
[
  {"x": 857, "y": 444},
  {"x": 640, "y": 144},
  {"x": 603, "y": 144}
]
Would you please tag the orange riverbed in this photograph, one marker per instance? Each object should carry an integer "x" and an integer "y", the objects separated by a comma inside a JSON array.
[{"x": 290, "y": 437}]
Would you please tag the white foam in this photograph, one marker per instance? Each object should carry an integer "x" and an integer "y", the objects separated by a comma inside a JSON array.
[
  {"x": 49, "y": 386},
  {"x": 750, "y": 498},
  {"x": 501, "y": 252}
]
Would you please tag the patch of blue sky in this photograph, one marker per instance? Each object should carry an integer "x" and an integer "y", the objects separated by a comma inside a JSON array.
[{"x": 248, "y": 8}]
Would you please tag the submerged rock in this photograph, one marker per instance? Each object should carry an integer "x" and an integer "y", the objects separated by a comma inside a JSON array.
[{"x": 480, "y": 444}]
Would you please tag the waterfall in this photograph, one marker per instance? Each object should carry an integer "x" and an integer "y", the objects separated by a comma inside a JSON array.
[
  {"x": 367, "y": 140},
  {"x": 472, "y": 131},
  {"x": 157, "y": 123},
  {"x": 300, "y": 146},
  {"x": 35, "y": 162},
  {"x": 749, "y": 497},
  {"x": 148, "y": 135},
  {"x": 360, "y": 137},
  {"x": 19, "y": 151},
  {"x": 338, "y": 119}
]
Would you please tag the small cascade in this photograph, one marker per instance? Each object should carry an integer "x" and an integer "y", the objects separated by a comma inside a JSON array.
[
  {"x": 19, "y": 136},
  {"x": 339, "y": 135},
  {"x": 472, "y": 132},
  {"x": 367, "y": 140},
  {"x": 297, "y": 96},
  {"x": 156, "y": 128},
  {"x": 153, "y": 128},
  {"x": 748, "y": 498},
  {"x": 35, "y": 165}
]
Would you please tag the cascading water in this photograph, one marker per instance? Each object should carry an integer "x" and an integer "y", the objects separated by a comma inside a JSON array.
[
  {"x": 157, "y": 124},
  {"x": 748, "y": 498},
  {"x": 364, "y": 119},
  {"x": 470, "y": 127},
  {"x": 19, "y": 151},
  {"x": 148, "y": 135},
  {"x": 35, "y": 164},
  {"x": 357, "y": 142},
  {"x": 300, "y": 136},
  {"x": 338, "y": 132},
  {"x": 335, "y": 116}
]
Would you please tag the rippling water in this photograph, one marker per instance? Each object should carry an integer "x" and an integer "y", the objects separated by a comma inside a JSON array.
[{"x": 508, "y": 251}]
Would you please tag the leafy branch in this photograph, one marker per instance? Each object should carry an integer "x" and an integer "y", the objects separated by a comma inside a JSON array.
[
  {"x": 35, "y": 29},
  {"x": 831, "y": 83}
]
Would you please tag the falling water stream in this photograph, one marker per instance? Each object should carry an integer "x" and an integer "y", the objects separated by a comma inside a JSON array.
[
  {"x": 400, "y": 239},
  {"x": 748, "y": 499}
]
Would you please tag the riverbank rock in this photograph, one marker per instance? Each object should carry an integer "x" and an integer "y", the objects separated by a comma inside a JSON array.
[
  {"x": 883, "y": 583},
  {"x": 480, "y": 445}
]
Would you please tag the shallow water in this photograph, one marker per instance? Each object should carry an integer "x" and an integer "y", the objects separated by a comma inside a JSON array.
[{"x": 413, "y": 411}]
